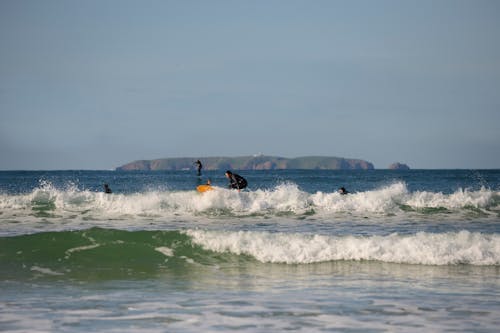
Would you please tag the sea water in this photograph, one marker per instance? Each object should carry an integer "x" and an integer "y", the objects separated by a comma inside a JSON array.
[{"x": 404, "y": 251}]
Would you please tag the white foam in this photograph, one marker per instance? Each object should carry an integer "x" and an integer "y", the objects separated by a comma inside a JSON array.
[
  {"x": 69, "y": 252},
  {"x": 459, "y": 199},
  {"x": 382, "y": 200},
  {"x": 423, "y": 248},
  {"x": 46, "y": 271},
  {"x": 72, "y": 203},
  {"x": 167, "y": 252},
  {"x": 188, "y": 260}
]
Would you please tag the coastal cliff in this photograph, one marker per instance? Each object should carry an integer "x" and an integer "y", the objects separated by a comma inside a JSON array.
[{"x": 260, "y": 162}]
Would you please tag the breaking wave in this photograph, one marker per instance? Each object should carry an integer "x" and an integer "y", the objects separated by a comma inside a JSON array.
[
  {"x": 99, "y": 253},
  {"x": 422, "y": 248},
  {"x": 47, "y": 201}
]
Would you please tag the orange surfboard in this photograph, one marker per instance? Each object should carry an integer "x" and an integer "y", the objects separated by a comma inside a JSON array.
[{"x": 204, "y": 188}]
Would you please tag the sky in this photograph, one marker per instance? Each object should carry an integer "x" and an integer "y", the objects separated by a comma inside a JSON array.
[{"x": 96, "y": 84}]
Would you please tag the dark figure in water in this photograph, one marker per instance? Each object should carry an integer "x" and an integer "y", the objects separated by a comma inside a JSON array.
[
  {"x": 199, "y": 166},
  {"x": 107, "y": 189},
  {"x": 236, "y": 181},
  {"x": 343, "y": 191}
]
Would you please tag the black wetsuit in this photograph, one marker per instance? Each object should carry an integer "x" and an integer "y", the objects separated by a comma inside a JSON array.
[
  {"x": 237, "y": 182},
  {"x": 107, "y": 189},
  {"x": 199, "y": 167}
]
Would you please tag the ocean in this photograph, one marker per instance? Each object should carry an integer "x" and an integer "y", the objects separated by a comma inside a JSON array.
[{"x": 404, "y": 251}]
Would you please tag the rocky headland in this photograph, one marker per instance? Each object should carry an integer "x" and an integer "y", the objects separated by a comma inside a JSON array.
[{"x": 259, "y": 162}]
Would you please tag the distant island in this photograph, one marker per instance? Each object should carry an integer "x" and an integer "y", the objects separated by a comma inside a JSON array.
[
  {"x": 258, "y": 162},
  {"x": 398, "y": 166}
]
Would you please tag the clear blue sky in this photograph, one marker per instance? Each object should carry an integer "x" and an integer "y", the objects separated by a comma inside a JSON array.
[{"x": 96, "y": 84}]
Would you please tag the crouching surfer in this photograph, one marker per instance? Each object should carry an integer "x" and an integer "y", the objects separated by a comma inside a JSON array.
[{"x": 236, "y": 181}]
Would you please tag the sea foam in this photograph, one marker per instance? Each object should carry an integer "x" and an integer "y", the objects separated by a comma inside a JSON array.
[
  {"x": 48, "y": 202},
  {"x": 422, "y": 248}
]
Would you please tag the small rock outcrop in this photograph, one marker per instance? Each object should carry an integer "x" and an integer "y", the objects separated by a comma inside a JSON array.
[{"x": 398, "y": 166}]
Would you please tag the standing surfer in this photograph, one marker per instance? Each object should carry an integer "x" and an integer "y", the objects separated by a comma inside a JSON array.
[{"x": 199, "y": 166}]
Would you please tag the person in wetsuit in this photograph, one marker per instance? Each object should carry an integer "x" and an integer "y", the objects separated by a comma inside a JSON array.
[
  {"x": 199, "y": 166},
  {"x": 107, "y": 189},
  {"x": 236, "y": 181},
  {"x": 343, "y": 191}
]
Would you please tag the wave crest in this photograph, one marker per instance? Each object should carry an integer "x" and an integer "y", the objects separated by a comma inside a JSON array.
[
  {"x": 423, "y": 248},
  {"x": 47, "y": 201}
]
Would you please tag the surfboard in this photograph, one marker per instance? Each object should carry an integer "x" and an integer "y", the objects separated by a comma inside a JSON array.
[{"x": 204, "y": 188}]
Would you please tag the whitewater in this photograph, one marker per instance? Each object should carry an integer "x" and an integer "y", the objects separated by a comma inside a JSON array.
[
  {"x": 403, "y": 251},
  {"x": 285, "y": 199}
]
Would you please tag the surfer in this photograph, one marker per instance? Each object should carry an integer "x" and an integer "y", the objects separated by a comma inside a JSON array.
[
  {"x": 343, "y": 191},
  {"x": 199, "y": 166},
  {"x": 107, "y": 189},
  {"x": 236, "y": 181}
]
